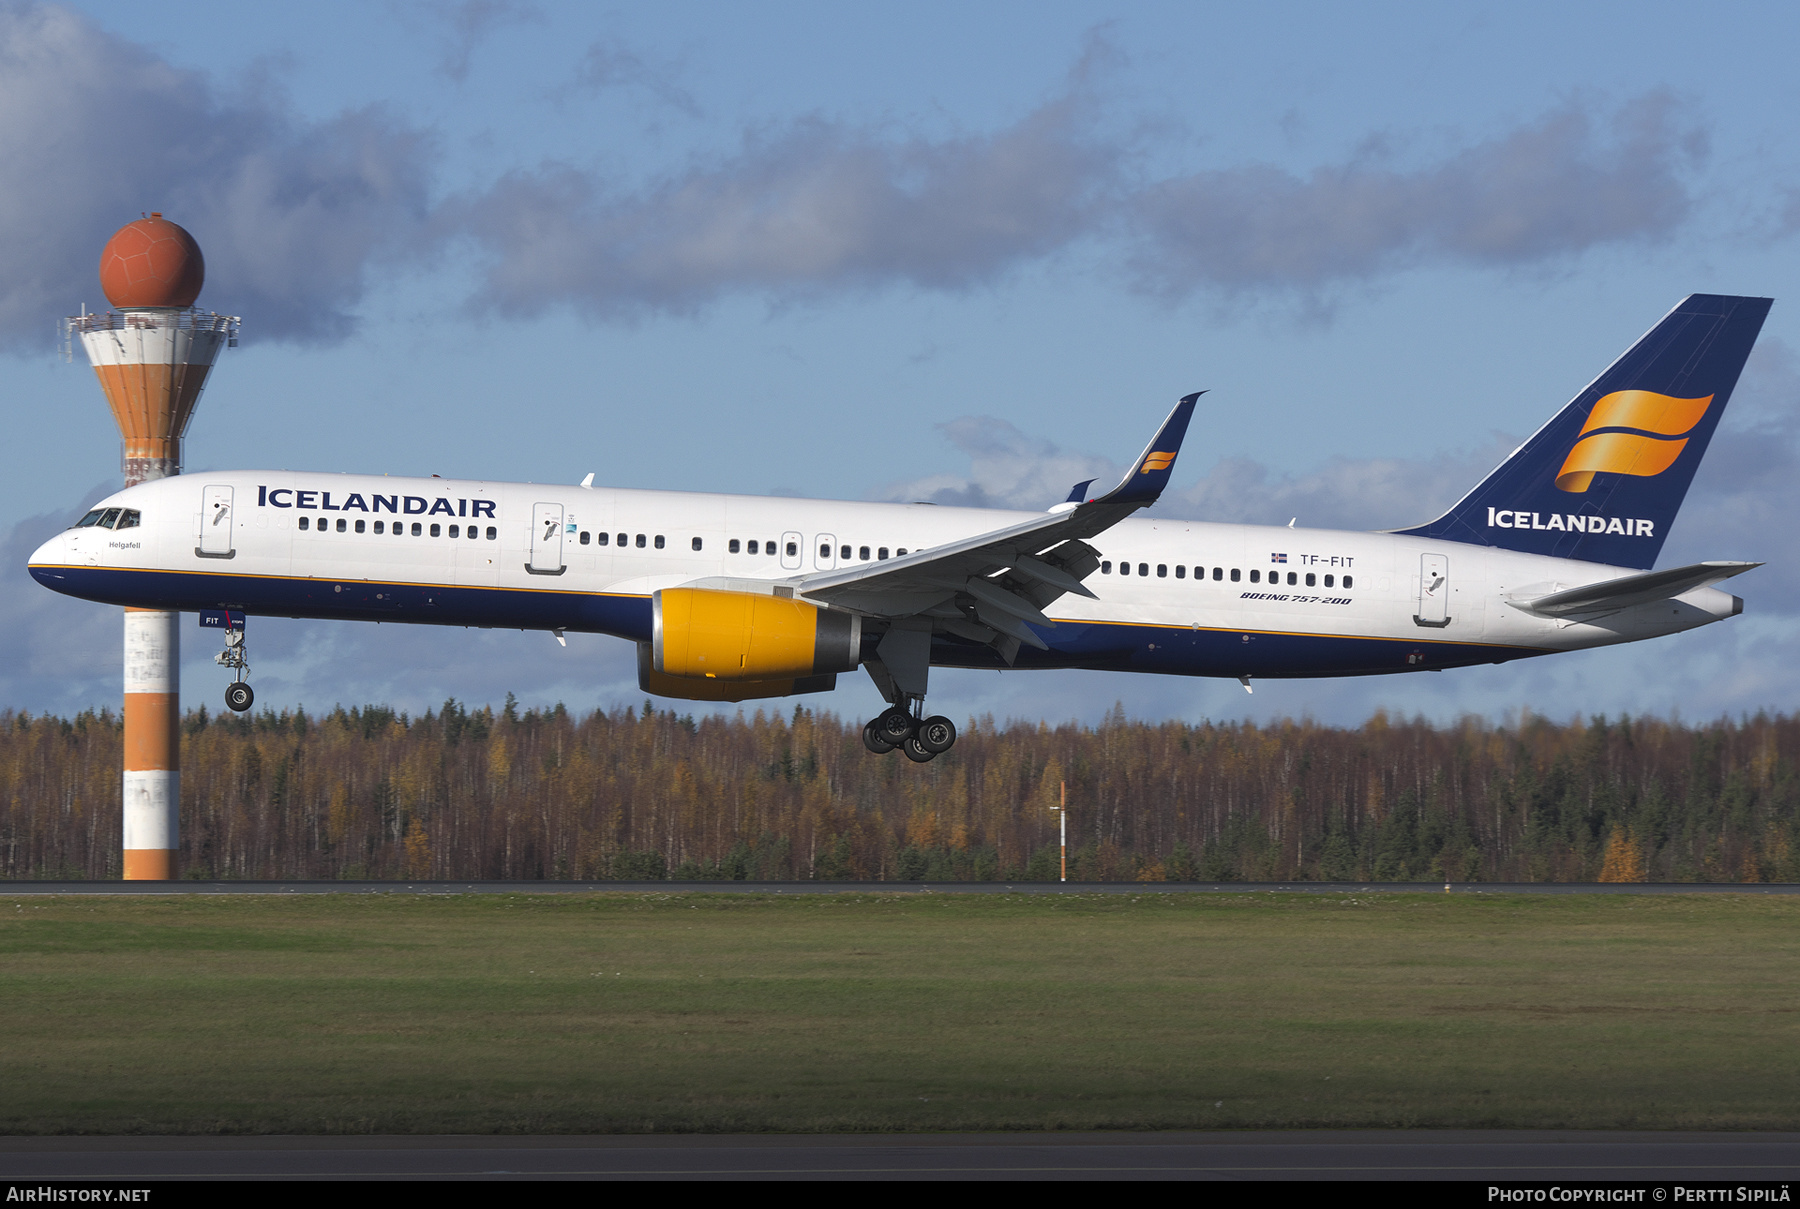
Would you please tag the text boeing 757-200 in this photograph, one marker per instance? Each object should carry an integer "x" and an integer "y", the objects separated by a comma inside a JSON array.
[{"x": 731, "y": 597}]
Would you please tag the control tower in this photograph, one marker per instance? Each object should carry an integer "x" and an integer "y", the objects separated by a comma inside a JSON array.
[{"x": 152, "y": 354}]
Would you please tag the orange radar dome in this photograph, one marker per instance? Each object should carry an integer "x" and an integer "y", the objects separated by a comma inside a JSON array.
[{"x": 152, "y": 262}]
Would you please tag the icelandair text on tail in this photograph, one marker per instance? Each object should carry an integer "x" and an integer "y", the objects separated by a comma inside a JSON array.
[{"x": 1571, "y": 523}]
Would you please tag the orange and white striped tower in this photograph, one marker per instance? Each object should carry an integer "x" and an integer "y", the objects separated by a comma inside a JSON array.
[{"x": 152, "y": 353}]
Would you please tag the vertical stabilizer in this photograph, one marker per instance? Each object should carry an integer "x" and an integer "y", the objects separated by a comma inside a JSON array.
[{"x": 1603, "y": 480}]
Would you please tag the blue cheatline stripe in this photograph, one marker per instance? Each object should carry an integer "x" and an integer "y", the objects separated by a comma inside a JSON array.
[{"x": 1098, "y": 645}]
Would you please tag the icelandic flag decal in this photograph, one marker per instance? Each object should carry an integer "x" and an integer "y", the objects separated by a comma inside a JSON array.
[{"x": 1277, "y": 558}]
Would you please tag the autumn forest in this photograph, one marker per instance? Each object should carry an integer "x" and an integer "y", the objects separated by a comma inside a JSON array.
[{"x": 774, "y": 795}]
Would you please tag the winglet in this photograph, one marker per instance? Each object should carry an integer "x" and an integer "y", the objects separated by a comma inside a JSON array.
[
  {"x": 1145, "y": 481},
  {"x": 1078, "y": 493}
]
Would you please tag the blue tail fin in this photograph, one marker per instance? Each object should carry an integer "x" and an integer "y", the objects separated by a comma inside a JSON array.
[{"x": 1602, "y": 481}]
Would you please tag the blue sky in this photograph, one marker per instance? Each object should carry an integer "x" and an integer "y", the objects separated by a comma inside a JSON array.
[{"x": 917, "y": 251}]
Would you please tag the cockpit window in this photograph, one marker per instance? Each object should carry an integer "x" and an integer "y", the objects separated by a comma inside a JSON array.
[
  {"x": 128, "y": 519},
  {"x": 92, "y": 518}
]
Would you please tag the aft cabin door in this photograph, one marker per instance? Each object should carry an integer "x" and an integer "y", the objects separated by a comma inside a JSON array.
[
  {"x": 546, "y": 540},
  {"x": 216, "y": 522},
  {"x": 1434, "y": 591}
]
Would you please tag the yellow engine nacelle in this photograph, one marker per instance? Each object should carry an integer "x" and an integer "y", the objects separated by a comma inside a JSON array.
[
  {"x": 701, "y": 633},
  {"x": 692, "y": 688}
]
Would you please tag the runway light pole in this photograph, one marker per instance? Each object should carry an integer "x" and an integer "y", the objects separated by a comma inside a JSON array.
[{"x": 1062, "y": 810}]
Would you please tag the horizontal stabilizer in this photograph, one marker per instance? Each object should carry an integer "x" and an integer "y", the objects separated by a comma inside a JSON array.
[{"x": 1614, "y": 594}]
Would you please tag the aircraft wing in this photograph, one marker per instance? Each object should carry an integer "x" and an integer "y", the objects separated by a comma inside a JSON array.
[
  {"x": 1614, "y": 594},
  {"x": 987, "y": 587}
]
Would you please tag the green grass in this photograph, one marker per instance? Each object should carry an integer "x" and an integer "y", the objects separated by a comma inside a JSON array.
[{"x": 896, "y": 1012}]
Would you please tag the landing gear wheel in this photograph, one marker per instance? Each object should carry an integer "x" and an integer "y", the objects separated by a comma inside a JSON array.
[
  {"x": 937, "y": 734},
  {"x": 894, "y": 725},
  {"x": 873, "y": 741},
  {"x": 238, "y": 696},
  {"x": 917, "y": 752}
]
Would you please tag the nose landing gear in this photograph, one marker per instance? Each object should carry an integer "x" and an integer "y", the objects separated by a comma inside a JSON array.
[{"x": 236, "y": 656}]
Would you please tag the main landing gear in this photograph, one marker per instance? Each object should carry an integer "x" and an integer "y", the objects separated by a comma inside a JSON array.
[
  {"x": 921, "y": 739},
  {"x": 235, "y": 656},
  {"x": 899, "y": 669}
]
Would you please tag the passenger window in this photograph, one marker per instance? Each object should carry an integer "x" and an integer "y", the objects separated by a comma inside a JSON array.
[
  {"x": 845, "y": 553},
  {"x": 435, "y": 531},
  {"x": 380, "y": 526},
  {"x": 1106, "y": 567},
  {"x": 1218, "y": 573},
  {"x": 1143, "y": 568},
  {"x": 306, "y": 522},
  {"x": 1235, "y": 573},
  {"x": 1180, "y": 572},
  {"x": 753, "y": 545},
  {"x": 1311, "y": 579},
  {"x": 586, "y": 537},
  {"x": 1327, "y": 581},
  {"x": 625, "y": 539},
  {"x": 1256, "y": 577},
  {"x": 600, "y": 539},
  {"x": 361, "y": 526},
  {"x": 732, "y": 545},
  {"x": 793, "y": 548},
  {"x": 492, "y": 533},
  {"x": 1292, "y": 579},
  {"x": 1346, "y": 581},
  {"x": 128, "y": 519},
  {"x": 1124, "y": 568},
  {"x": 901, "y": 552},
  {"x": 1162, "y": 570},
  {"x": 659, "y": 541},
  {"x": 863, "y": 553},
  {"x": 343, "y": 525},
  {"x": 457, "y": 532},
  {"x": 824, "y": 551},
  {"x": 640, "y": 541},
  {"x": 696, "y": 543},
  {"x": 417, "y": 531},
  {"x": 881, "y": 553}
]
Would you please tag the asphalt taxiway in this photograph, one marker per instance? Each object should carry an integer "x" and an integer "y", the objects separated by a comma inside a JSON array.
[{"x": 1536, "y": 1155}]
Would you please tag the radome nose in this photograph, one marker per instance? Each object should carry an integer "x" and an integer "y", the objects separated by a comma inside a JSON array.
[{"x": 47, "y": 560}]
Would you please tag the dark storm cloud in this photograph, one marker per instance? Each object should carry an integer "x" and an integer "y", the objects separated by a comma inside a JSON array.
[
  {"x": 95, "y": 131},
  {"x": 1567, "y": 182}
]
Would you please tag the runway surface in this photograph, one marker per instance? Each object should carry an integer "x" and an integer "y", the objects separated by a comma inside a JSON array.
[
  {"x": 1336, "y": 1155},
  {"x": 522, "y": 887}
]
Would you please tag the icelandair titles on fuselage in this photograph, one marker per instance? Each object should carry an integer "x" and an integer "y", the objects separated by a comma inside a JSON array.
[
  {"x": 1569, "y": 523},
  {"x": 404, "y": 505}
]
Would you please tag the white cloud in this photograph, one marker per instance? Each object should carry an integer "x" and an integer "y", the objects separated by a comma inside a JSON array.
[
  {"x": 95, "y": 131},
  {"x": 1551, "y": 189}
]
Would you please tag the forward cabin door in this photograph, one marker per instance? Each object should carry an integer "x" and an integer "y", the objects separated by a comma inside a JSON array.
[
  {"x": 546, "y": 540},
  {"x": 216, "y": 522},
  {"x": 1434, "y": 591}
]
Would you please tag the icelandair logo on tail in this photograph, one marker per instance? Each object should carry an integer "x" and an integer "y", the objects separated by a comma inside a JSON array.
[
  {"x": 1635, "y": 432},
  {"x": 1566, "y": 523},
  {"x": 1157, "y": 461}
]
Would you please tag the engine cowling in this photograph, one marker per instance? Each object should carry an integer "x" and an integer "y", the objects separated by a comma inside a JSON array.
[
  {"x": 695, "y": 688},
  {"x": 705, "y": 634}
]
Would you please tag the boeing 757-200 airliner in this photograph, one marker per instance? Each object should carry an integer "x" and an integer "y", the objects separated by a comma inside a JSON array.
[{"x": 730, "y": 597}]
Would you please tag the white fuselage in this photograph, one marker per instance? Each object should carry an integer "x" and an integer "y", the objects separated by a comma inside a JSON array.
[{"x": 1200, "y": 599}]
